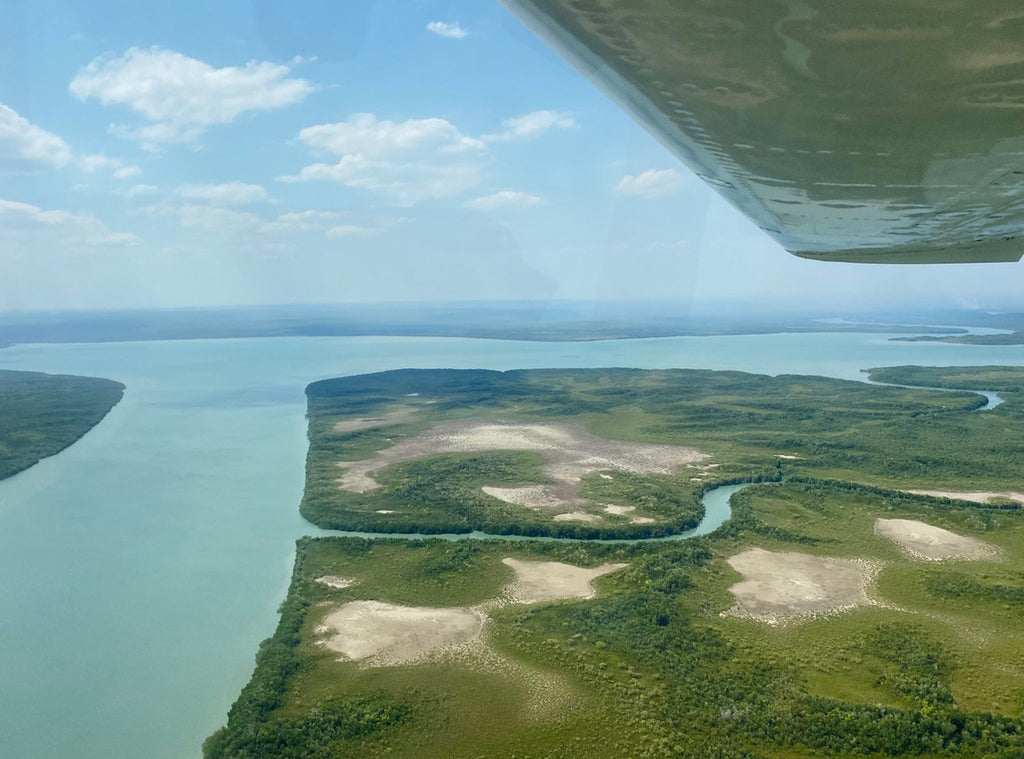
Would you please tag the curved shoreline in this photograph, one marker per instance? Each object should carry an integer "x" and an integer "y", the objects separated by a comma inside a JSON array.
[
  {"x": 993, "y": 398},
  {"x": 716, "y": 513}
]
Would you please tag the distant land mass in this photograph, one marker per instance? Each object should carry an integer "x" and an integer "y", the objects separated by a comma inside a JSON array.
[
  {"x": 42, "y": 414},
  {"x": 536, "y": 321}
]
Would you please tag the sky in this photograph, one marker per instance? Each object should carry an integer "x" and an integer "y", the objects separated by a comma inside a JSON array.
[{"x": 318, "y": 151}]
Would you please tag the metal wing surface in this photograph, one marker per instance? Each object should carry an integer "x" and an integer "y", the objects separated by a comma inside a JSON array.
[{"x": 883, "y": 131}]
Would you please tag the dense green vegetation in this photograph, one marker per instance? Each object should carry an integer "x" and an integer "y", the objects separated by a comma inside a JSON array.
[
  {"x": 42, "y": 414},
  {"x": 833, "y": 429},
  {"x": 653, "y": 667},
  {"x": 1008, "y": 379}
]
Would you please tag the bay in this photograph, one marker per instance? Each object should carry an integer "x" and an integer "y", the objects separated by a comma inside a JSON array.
[{"x": 142, "y": 566}]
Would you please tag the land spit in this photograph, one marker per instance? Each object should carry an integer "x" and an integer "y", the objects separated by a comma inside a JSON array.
[
  {"x": 925, "y": 541},
  {"x": 570, "y": 452},
  {"x": 384, "y": 634},
  {"x": 778, "y": 587}
]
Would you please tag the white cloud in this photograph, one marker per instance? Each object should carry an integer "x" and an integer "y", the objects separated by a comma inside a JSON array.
[
  {"x": 127, "y": 172},
  {"x": 364, "y": 135},
  {"x": 93, "y": 163},
  {"x": 410, "y": 161},
  {"x": 99, "y": 162},
  {"x": 139, "y": 190},
  {"x": 652, "y": 183},
  {"x": 216, "y": 220},
  {"x": 305, "y": 221},
  {"x": 180, "y": 96},
  {"x": 27, "y": 229},
  {"x": 22, "y": 142},
  {"x": 352, "y": 230},
  {"x": 444, "y": 29},
  {"x": 531, "y": 125},
  {"x": 228, "y": 193},
  {"x": 503, "y": 199}
]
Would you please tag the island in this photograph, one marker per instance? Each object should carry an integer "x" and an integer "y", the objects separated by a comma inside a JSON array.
[{"x": 519, "y": 574}]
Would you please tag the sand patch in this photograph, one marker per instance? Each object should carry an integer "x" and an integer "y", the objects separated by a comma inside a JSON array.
[
  {"x": 538, "y": 497},
  {"x": 395, "y": 415},
  {"x": 386, "y": 634},
  {"x": 571, "y": 454},
  {"x": 383, "y": 634},
  {"x": 619, "y": 510},
  {"x": 333, "y": 581},
  {"x": 974, "y": 496},
  {"x": 538, "y": 581},
  {"x": 780, "y": 586},
  {"x": 925, "y": 541},
  {"x": 577, "y": 516},
  {"x": 642, "y": 520}
]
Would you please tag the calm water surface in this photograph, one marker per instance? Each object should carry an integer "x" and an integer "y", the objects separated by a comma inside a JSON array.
[{"x": 141, "y": 567}]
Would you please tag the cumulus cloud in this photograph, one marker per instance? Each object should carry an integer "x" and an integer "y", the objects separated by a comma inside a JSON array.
[
  {"x": 23, "y": 143},
  {"x": 27, "y": 229},
  {"x": 352, "y": 230},
  {"x": 652, "y": 183},
  {"x": 181, "y": 97},
  {"x": 228, "y": 193},
  {"x": 140, "y": 190},
  {"x": 363, "y": 134},
  {"x": 445, "y": 29},
  {"x": 99, "y": 162},
  {"x": 410, "y": 160},
  {"x": 531, "y": 125},
  {"x": 503, "y": 199}
]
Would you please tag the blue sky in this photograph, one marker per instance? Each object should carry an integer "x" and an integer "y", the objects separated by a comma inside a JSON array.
[{"x": 256, "y": 152}]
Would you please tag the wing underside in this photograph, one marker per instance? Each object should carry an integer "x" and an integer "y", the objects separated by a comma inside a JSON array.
[{"x": 883, "y": 131}]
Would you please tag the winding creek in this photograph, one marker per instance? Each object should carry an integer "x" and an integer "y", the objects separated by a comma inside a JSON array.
[{"x": 142, "y": 566}]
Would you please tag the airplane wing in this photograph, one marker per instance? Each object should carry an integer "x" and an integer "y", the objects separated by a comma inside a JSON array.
[{"x": 882, "y": 131}]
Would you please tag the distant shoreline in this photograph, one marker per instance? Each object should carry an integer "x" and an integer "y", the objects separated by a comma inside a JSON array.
[{"x": 523, "y": 321}]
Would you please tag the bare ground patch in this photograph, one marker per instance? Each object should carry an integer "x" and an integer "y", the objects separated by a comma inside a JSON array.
[
  {"x": 576, "y": 516},
  {"x": 333, "y": 581},
  {"x": 925, "y": 541},
  {"x": 538, "y": 581},
  {"x": 395, "y": 415},
  {"x": 777, "y": 587},
  {"x": 387, "y": 634},
  {"x": 384, "y": 634},
  {"x": 974, "y": 496},
  {"x": 571, "y": 454},
  {"x": 539, "y": 497}
]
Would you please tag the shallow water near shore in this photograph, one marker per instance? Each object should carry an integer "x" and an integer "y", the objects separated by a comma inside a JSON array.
[{"x": 143, "y": 565}]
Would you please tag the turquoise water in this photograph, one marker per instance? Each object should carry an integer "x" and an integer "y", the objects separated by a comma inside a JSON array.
[{"x": 142, "y": 566}]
